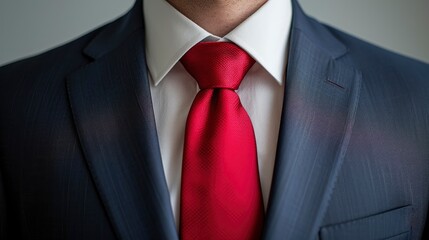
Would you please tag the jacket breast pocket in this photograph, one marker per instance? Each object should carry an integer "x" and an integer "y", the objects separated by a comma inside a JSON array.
[{"x": 393, "y": 224}]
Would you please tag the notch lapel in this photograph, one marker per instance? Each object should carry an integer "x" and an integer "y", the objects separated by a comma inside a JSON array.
[
  {"x": 321, "y": 97},
  {"x": 111, "y": 105}
]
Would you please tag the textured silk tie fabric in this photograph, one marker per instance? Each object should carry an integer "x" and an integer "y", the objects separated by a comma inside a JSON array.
[{"x": 221, "y": 195}]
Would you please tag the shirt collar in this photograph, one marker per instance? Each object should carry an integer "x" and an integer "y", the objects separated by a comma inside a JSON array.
[{"x": 170, "y": 34}]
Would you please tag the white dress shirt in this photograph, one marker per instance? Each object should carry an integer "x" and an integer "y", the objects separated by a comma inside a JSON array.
[{"x": 170, "y": 34}]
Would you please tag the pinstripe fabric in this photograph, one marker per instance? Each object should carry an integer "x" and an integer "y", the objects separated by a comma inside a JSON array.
[{"x": 79, "y": 155}]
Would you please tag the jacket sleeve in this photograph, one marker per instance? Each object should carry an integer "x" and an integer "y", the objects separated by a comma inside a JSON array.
[
  {"x": 3, "y": 209},
  {"x": 426, "y": 227}
]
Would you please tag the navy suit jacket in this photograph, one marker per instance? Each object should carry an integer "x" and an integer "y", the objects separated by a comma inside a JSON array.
[{"x": 79, "y": 154}]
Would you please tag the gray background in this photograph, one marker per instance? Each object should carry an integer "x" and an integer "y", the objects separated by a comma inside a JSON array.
[{"x": 30, "y": 27}]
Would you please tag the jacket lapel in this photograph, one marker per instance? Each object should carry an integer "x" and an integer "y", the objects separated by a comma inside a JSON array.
[
  {"x": 321, "y": 97},
  {"x": 112, "y": 109}
]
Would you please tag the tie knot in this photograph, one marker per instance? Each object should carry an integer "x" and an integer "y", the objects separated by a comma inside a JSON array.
[{"x": 217, "y": 64}]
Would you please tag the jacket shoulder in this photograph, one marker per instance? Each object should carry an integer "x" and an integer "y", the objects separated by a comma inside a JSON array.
[
  {"x": 56, "y": 57},
  {"x": 369, "y": 56},
  {"x": 33, "y": 78},
  {"x": 69, "y": 56},
  {"x": 385, "y": 71}
]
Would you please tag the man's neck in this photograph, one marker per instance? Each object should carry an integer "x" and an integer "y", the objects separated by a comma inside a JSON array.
[{"x": 217, "y": 17}]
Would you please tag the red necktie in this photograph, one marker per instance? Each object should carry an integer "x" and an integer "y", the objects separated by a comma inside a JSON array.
[{"x": 221, "y": 194}]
